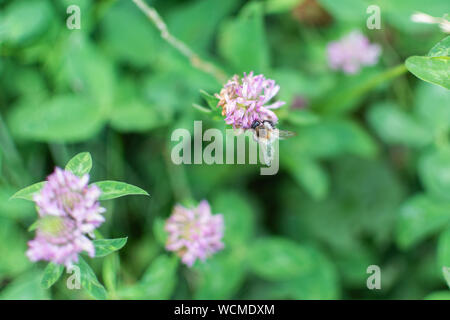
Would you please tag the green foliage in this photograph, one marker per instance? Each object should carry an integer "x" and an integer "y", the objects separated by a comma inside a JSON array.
[
  {"x": 249, "y": 50},
  {"x": 51, "y": 274},
  {"x": 104, "y": 247},
  {"x": 81, "y": 164},
  {"x": 89, "y": 281},
  {"x": 433, "y": 68},
  {"x": 114, "y": 189}
]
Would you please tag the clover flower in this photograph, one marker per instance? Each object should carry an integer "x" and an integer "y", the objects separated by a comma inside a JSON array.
[
  {"x": 352, "y": 52},
  {"x": 194, "y": 233},
  {"x": 243, "y": 100},
  {"x": 69, "y": 212}
]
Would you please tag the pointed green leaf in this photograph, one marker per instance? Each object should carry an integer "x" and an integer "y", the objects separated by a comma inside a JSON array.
[
  {"x": 441, "y": 49},
  {"x": 89, "y": 281},
  {"x": 116, "y": 189},
  {"x": 80, "y": 164},
  {"x": 103, "y": 247},
  {"x": 211, "y": 100},
  {"x": 28, "y": 192},
  {"x": 51, "y": 274},
  {"x": 201, "y": 108},
  {"x": 435, "y": 70}
]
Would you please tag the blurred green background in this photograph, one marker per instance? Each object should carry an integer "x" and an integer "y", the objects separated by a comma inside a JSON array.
[{"x": 366, "y": 181}]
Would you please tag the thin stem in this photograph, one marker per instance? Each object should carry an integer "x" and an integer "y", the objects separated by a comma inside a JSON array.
[{"x": 180, "y": 46}]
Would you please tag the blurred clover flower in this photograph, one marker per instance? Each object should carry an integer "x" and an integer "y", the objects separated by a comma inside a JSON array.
[
  {"x": 243, "y": 100},
  {"x": 68, "y": 211},
  {"x": 194, "y": 233},
  {"x": 352, "y": 52}
]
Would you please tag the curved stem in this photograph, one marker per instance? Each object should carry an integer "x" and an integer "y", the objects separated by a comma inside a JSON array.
[{"x": 180, "y": 46}]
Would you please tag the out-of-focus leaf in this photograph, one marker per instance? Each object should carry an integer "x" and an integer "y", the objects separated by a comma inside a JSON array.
[
  {"x": 320, "y": 282},
  {"x": 157, "y": 283},
  {"x": 396, "y": 126},
  {"x": 278, "y": 259},
  {"x": 280, "y": 6},
  {"x": 12, "y": 247},
  {"x": 329, "y": 138},
  {"x": 195, "y": 22},
  {"x": 431, "y": 107},
  {"x": 86, "y": 70},
  {"x": 116, "y": 189},
  {"x": 14, "y": 209},
  {"x": 446, "y": 273},
  {"x": 443, "y": 251},
  {"x": 51, "y": 274},
  {"x": 25, "y": 287},
  {"x": 123, "y": 19},
  {"x": 434, "y": 171},
  {"x": 104, "y": 247},
  {"x": 24, "y": 20},
  {"x": 135, "y": 117},
  {"x": 159, "y": 232},
  {"x": 80, "y": 164},
  {"x": 220, "y": 276},
  {"x": 435, "y": 70},
  {"x": 302, "y": 118},
  {"x": 89, "y": 281},
  {"x": 61, "y": 119},
  {"x": 242, "y": 41},
  {"x": 238, "y": 215},
  {"x": 419, "y": 217},
  {"x": 346, "y": 9},
  {"x": 438, "y": 295},
  {"x": 307, "y": 172},
  {"x": 27, "y": 193}
]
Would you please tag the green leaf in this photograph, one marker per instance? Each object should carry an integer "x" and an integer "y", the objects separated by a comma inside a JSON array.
[
  {"x": 104, "y": 247},
  {"x": 159, "y": 232},
  {"x": 25, "y": 287},
  {"x": 116, "y": 189},
  {"x": 158, "y": 282},
  {"x": 202, "y": 108},
  {"x": 89, "y": 281},
  {"x": 441, "y": 49},
  {"x": 81, "y": 164},
  {"x": 395, "y": 126},
  {"x": 435, "y": 70},
  {"x": 278, "y": 259},
  {"x": 431, "y": 107},
  {"x": 28, "y": 192},
  {"x": 302, "y": 118},
  {"x": 51, "y": 274},
  {"x": 135, "y": 117},
  {"x": 23, "y": 21},
  {"x": 239, "y": 217},
  {"x": 419, "y": 217},
  {"x": 308, "y": 173},
  {"x": 242, "y": 41},
  {"x": 220, "y": 276},
  {"x": 443, "y": 250},
  {"x": 211, "y": 100},
  {"x": 66, "y": 118},
  {"x": 195, "y": 22},
  {"x": 434, "y": 172},
  {"x": 281, "y": 6},
  {"x": 438, "y": 295},
  {"x": 446, "y": 272}
]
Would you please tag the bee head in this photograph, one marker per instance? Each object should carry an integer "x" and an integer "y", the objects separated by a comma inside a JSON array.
[{"x": 255, "y": 124}]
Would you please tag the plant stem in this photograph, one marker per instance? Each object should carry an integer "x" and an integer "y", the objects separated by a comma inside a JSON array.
[
  {"x": 180, "y": 46},
  {"x": 334, "y": 103}
]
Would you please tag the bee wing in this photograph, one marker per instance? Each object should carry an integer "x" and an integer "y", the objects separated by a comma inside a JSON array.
[
  {"x": 267, "y": 151},
  {"x": 283, "y": 134}
]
